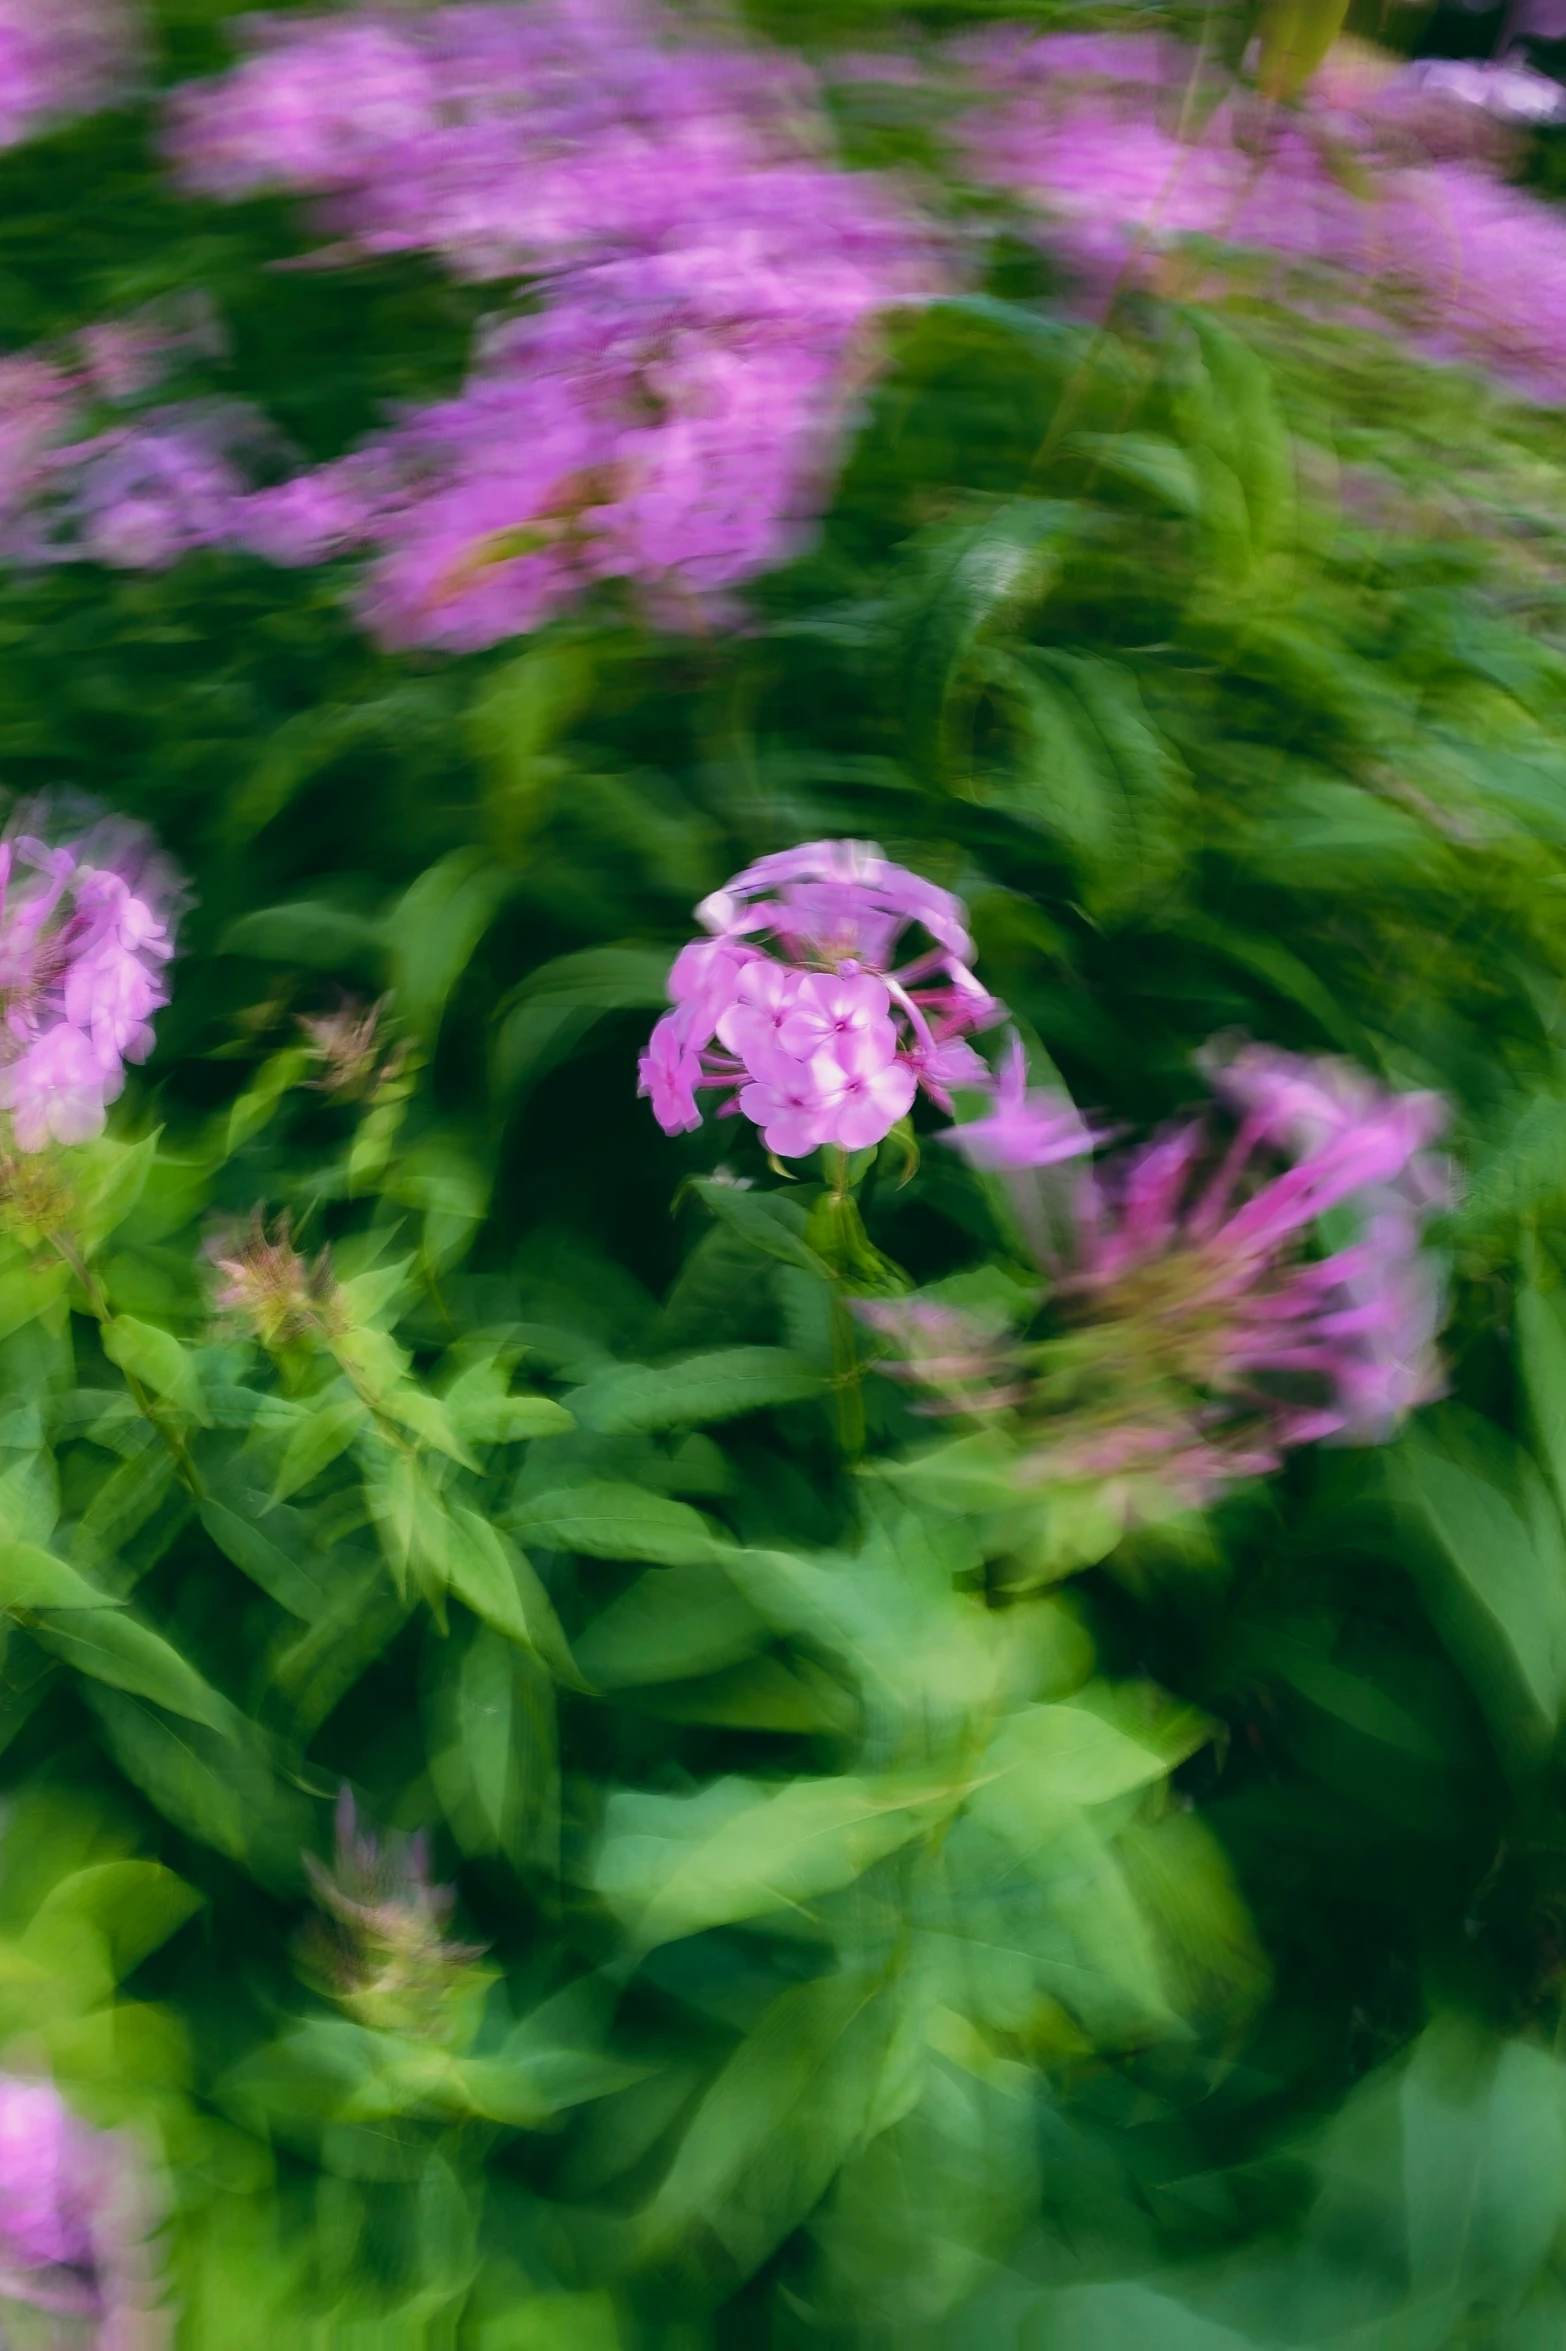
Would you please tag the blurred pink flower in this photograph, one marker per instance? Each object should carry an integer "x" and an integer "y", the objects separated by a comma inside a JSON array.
[
  {"x": 60, "y": 58},
  {"x": 85, "y": 934},
  {"x": 1422, "y": 234},
  {"x": 670, "y": 415},
  {"x": 75, "y": 2220},
  {"x": 1196, "y": 1335}
]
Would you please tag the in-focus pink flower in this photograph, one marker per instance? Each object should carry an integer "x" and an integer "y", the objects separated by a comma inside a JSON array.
[
  {"x": 862, "y": 1087},
  {"x": 823, "y": 1035}
]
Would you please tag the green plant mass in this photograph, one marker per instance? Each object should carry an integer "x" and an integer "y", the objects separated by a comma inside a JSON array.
[{"x": 782, "y": 1180}]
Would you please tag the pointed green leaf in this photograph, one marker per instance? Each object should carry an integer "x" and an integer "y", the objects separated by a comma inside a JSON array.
[
  {"x": 608, "y": 1521},
  {"x": 157, "y": 1359},
  {"x": 671, "y": 1865},
  {"x": 632, "y": 1397}
]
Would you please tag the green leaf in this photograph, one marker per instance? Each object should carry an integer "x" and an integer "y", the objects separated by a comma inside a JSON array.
[
  {"x": 781, "y": 2118},
  {"x": 1079, "y": 1757},
  {"x": 507, "y": 1420},
  {"x": 1097, "y": 773},
  {"x": 555, "y": 1008},
  {"x": 278, "y": 1572},
  {"x": 33, "y": 1578},
  {"x": 672, "y": 1865},
  {"x": 1295, "y": 38},
  {"x": 313, "y": 1671},
  {"x": 310, "y": 931},
  {"x": 110, "y": 1179},
  {"x": 1147, "y": 460},
  {"x": 771, "y": 1222},
  {"x": 134, "y": 1905},
  {"x": 979, "y": 577},
  {"x": 155, "y": 1358},
  {"x": 1493, "y": 1571},
  {"x": 1541, "y": 1349},
  {"x": 513, "y": 721},
  {"x": 435, "y": 927},
  {"x": 499, "y": 1584},
  {"x": 219, "y": 1791},
  {"x": 552, "y": 2322},
  {"x": 759, "y": 1694},
  {"x": 672, "y": 1624},
  {"x": 126, "y": 1500},
  {"x": 609, "y": 1521},
  {"x": 1484, "y": 2163},
  {"x": 479, "y": 1748},
  {"x": 250, "y": 1111},
  {"x": 426, "y": 1416},
  {"x": 1104, "y": 2317},
  {"x": 28, "y": 1293},
  {"x": 633, "y": 1397},
  {"x": 326, "y": 1429},
  {"x": 115, "y": 1647}
]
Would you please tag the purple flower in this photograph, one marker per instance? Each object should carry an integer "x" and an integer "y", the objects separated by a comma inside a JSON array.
[
  {"x": 1197, "y": 1331},
  {"x": 783, "y": 1099},
  {"x": 60, "y": 58},
  {"x": 823, "y": 1037},
  {"x": 140, "y": 496},
  {"x": 670, "y": 1072},
  {"x": 1422, "y": 235},
  {"x": 39, "y": 407},
  {"x": 669, "y": 416},
  {"x": 85, "y": 935},
  {"x": 830, "y": 1009},
  {"x": 74, "y": 2220},
  {"x": 306, "y": 520},
  {"x": 862, "y": 1088},
  {"x": 1027, "y": 1127}
]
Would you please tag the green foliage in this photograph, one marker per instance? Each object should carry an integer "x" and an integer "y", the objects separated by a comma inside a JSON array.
[{"x": 890, "y": 1909}]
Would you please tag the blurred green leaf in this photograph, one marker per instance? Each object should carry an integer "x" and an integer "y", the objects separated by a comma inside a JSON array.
[
  {"x": 670, "y": 1865},
  {"x": 720, "y": 1386}
]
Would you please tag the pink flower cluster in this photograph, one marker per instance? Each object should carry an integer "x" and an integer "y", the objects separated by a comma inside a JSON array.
[
  {"x": 1381, "y": 193},
  {"x": 60, "y": 58},
  {"x": 133, "y": 491},
  {"x": 668, "y": 414},
  {"x": 84, "y": 939},
  {"x": 819, "y": 1039},
  {"x": 1196, "y": 1335},
  {"x": 73, "y": 2223}
]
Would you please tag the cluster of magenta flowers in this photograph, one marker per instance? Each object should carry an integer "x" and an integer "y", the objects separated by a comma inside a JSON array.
[
  {"x": 61, "y": 58},
  {"x": 796, "y": 1007},
  {"x": 689, "y": 287},
  {"x": 701, "y": 288},
  {"x": 1381, "y": 196},
  {"x": 74, "y": 2221},
  {"x": 85, "y": 938},
  {"x": 1189, "y": 1327}
]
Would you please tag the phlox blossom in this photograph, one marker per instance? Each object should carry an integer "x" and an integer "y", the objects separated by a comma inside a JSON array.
[
  {"x": 822, "y": 1036},
  {"x": 1197, "y": 1330},
  {"x": 85, "y": 938}
]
